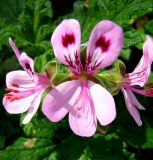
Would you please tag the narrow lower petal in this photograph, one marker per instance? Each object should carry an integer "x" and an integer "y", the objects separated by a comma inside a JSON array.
[
  {"x": 60, "y": 100},
  {"x": 131, "y": 108},
  {"x": 33, "y": 108},
  {"x": 104, "y": 46},
  {"x": 103, "y": 103},
  {"x": 134, "y": 100},
  {"x": 17, "y": 106},
  {"x": 66, "y": 44},
  {"x": 82, "y": 118}
]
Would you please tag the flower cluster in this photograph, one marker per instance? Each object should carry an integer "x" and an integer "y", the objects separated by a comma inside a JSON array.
[{"x": 83, "y": 96}]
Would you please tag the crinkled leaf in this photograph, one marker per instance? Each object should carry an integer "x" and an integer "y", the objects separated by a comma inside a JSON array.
[
  {"x": 40, "y": 127},
  {"x": 149, "y": 27},
  {"x": 27, "y": 149},
  {"x": 125, "y": 54},
  {"x": 42, "y": 60}
]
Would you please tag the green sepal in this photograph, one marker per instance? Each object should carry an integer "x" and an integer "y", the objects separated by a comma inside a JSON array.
[
  {"x": 60, "y": 78},
  {"x": 57, "y": 73},
  {"x": 109, "y": 80},
  {"x": 51, "y": 70},
  {"x": 83, "y": 53},
  {"x": 120, "y": 67},
  {"x": 112, "y": 78}
]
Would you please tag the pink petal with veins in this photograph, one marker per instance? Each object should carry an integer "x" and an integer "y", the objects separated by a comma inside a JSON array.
[
  {"x": 66, "y": 44},
  {"x": 33, "y": 108},
  {"x": 131, "y": 107},
  {"x": 27, "y": 63},
  {"x": 60, "y": 100},
  {"x": 15, "y": 49},
  {"x": 104, "y": 46},
  {"x": 19, "y": 79},
  {"x": 103, "y": 103},
  {"x": 142, "y": 71},
  {"x": 82, "y": 117}
]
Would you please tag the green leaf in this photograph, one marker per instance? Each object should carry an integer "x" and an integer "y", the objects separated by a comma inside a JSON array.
[
  {"x": 122, "y": 12},
  {"x": 125, "y": 54},
  {"x": 2, "y": 141},
  {"x": 10, "y": 9},
  {"x": 150, "y": 79},
  {"x": 106, "y": 147},
  {"x": 42, "y": 60},
  {"x": 149, "y": 138},
  {"x": 9, "y": 64},
  {"x": 74, "y": 149},
  {"x": 27, "y": 149},
  {"x": 134, "y": 38},
  {"x": 6, "y": 31},
  {"x": 40, "y": 127},
  {"x": 149, "y": 27}
]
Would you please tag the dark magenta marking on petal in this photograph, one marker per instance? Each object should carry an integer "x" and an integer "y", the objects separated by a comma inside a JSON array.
[
  {"x": 68, "y": 39},
  {"x": 10, "y": 97},
  {"x": 15, "y": 85},
  {"x": 27, "y": 66},
  {"x": 103, "y": 43}
]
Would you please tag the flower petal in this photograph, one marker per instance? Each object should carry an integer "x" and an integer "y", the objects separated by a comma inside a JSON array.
[
  {"x": 82, "y": 118},
  {"x": 14, "y": 48},
  {"x": 33, "y": 108},
  {"x": 103, "y": 103},
  {"x": 60, "y": 100},
  {"x": 66, "y": 43},
  {"x": 18, "y": 106},
  {"x": 131, "y": 108},
  {"x": 142, "y": 71},
  {"x": 147, "y": 57},
  {"x": 27, "y": 63},
  {"x": 19, "y": 79},
  {"x": 134, "y": 100},
  {"x": 104, "y": 46}
]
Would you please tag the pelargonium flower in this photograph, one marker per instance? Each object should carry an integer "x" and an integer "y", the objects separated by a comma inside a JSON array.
[
  {"x": 133, "y": 81},
  {"x": 85, "y": 100},
  {"x": 26, "y": 87}
]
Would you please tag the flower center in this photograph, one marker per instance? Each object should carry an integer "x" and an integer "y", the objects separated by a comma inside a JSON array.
[{"x": 83, "y": 75}]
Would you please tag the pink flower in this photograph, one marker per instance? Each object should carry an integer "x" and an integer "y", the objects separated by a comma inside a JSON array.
[
  {"x": 26, "y": 87},
  {"x": 85, "y": 100},
  {"x": 133, "y": 81}
]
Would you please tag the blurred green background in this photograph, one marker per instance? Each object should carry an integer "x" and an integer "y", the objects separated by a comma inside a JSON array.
[{"x": 31, "y": 23}]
